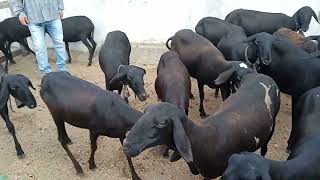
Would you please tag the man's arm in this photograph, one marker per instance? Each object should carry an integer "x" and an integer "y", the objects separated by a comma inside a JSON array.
[{"x": 17, "y": 7}]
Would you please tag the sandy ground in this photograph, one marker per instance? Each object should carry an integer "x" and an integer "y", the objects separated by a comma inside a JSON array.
[{"x": 46, "y": 159}]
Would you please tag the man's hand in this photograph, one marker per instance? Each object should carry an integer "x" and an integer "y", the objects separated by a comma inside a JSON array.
[
  {"x": 61, "y": 14},
  {"x": 24, "y": 20}
]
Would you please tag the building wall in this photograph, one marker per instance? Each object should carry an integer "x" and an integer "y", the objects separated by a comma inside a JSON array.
[{"x": 153, "y": 21}]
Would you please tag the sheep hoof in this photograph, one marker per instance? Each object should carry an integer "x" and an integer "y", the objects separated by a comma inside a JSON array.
[
  {"x": 80, "y": 172},
  {"x": 203, "y": 115},
  {"x": 13, "y": 62},
  {"x": 135, "y": 177},
  {"x": 69, "y": 143},
  {"x": 89, "y": 64},
  {"x": 288, "y": 151},
  {"x": 21, "y": 156},
  {"x": 191, "y": 97},
  {"x": 92, "y": 166},
  {"x": 69, "y": 61}
]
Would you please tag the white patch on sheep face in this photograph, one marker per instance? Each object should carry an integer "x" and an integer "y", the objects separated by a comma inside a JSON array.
[
  {"x": 267, "y": 98},
  {"x": 257, "y": 140},
  {"x": 243, "y": 65}
]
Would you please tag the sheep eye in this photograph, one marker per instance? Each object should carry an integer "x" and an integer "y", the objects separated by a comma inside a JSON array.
[
  {"x": 13, "y": 88},
  {"x": 162, "y": 125}
]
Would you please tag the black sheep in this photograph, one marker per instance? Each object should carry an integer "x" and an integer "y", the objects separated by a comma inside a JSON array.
[
  {"x": 79, "y": 28},
  {"x": 255, "y": 21},
  {"x": 17, "y": 86}
]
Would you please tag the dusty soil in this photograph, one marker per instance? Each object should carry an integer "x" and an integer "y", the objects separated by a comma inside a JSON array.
[{"x": 46, "y": 159}]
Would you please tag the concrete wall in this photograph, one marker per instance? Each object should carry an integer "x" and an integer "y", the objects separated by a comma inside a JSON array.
[{"x": 153, "y": 21}]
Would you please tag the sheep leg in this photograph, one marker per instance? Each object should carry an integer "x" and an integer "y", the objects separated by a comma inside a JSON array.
[
  {"x": 191, "y": 96},
  {"x": 24, "y": 43},
  {"x": 68, "y": 51},
  {"x": 225, "y": 91},
  {"x": 292, "y": 133},
  {"x": 64, "y": 140},
  {"x": 6, "y": 55},
  {"x": 74, "y": 161},
  {"x": 201, "y": 94},
  {"x": 62, "y": 133},
  {"x": 190, "y": 93},
  {"x": 216, "y": 94},
  {"x": 133, "y": 172},
  {"x": 93, "y": 139},
  {"x": 94, "y": 45},
  {"x": 264, "y": 148},
  {"x": 5, "y": 116},
  {"x": 10, "y": 54},
  {"x": 86, "y": 43}
]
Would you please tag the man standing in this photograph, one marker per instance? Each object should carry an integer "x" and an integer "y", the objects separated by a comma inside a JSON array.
[{"x": 43, "y": 16}]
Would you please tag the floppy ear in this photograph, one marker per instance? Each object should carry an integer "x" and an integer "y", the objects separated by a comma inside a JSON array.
[
  {"x": 31, "y": 85},
  {"x": 4, "y": 93},
  {"x": 225, "y": 76},
  {"x": 118, "y": 77},
  {"x": 181, "y": 141},
  {"x": 27, "y": 80}
]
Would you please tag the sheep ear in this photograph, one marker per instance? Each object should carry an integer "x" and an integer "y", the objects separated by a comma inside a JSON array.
[
  {"x": 225, "y": 76},
  {"x": 29, "y": 83},
  {"x": 118, "y": 77},
  {"x": 181, "y": 141},
  {"x": 4, "y": 93}
]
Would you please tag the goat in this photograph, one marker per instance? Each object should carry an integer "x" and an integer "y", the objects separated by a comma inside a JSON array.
[
  {"x": 18, "y": 86},
  {"x": 173, "y": 83},
  {"x": 303, "y": 162},
  {"x": 255, "y": 21},
  {"x": 228, "y": 38},
  {"x": 307, "y": 45},
  {"x": 245, "y": 120},
  {"x": 79, "y": 28},
  {"x": 202, "y": 59},
  {"x": 114, "y": 60},
  {"x": 87, "y": 106},
  {"x": 287, "y": 64},
  {"x": 12, "y": 30}
]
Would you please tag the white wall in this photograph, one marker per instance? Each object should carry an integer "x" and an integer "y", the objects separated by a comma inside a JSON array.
[{"x": 153, "y": 21}]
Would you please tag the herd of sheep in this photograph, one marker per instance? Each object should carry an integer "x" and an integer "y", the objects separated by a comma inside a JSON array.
[{"x": 250, "y": 57}]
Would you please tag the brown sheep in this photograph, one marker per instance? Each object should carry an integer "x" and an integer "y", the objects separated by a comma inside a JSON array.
[{"x": 307, "y": 45}]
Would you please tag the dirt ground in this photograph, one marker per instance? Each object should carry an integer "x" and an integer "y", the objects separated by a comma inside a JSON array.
[{"x": 46, "y": 159}]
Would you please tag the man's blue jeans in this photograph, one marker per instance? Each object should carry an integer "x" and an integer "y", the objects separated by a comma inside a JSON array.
[{"x": 55, "y": 31}]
